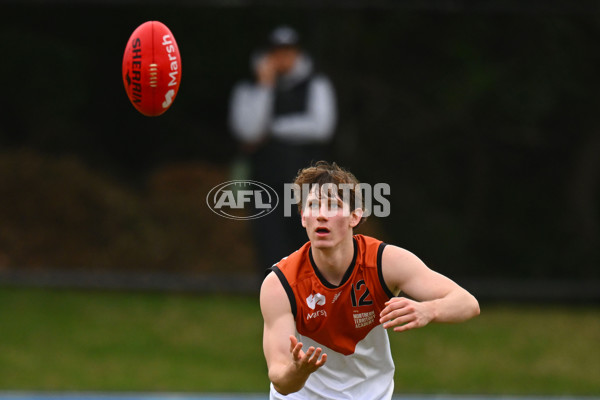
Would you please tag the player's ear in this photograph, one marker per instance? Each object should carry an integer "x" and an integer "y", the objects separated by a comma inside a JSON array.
[
  {"x": 302, "y": 218},
  {"x": 355, "y": 217}
]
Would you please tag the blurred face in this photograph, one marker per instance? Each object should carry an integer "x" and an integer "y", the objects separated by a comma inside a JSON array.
[
  {"x": 284, "y": 58},
  {"x": 328, "y": 220}
]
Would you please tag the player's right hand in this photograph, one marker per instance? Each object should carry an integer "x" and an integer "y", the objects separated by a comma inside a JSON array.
[{"x": 308, "y": 361}]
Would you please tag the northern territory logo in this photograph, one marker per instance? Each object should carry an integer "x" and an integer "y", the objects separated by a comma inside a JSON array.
[{"x": 242, "y": 199}]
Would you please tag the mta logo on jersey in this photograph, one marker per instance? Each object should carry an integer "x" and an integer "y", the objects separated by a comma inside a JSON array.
[
  {"x": 242, "y": 199},
  {"x": 315, "y": 299}
]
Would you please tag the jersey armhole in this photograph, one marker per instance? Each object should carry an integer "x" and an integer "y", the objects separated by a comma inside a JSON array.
[
  {"x": 287, "y": 288},
  {"x": 387, "y": 290}
]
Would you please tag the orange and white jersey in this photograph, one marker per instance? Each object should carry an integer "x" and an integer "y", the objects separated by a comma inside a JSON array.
[{"x": 344, "y": 321}]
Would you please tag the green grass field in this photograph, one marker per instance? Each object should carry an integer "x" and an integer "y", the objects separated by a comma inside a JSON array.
[{"x": 120, "y": 341}]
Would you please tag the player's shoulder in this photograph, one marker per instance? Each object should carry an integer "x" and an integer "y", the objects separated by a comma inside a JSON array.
[
  {"x": 365, "y": 238},
  {"x": 270, "y": 283},
  {"x": 399, "y": 264},
  {"x": 397, "y": 255},
  {"x": 285, "y": 272},
  {"x": 272, "y": 290},
  {"x": 387, "y": 248},
  {"x": 274, "y": 301},
  {"x": 368, "y": 242},
  {"x": 295, "y": 260}
]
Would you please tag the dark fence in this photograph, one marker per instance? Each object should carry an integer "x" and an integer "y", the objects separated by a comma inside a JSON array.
[{"x": 482, "y": 117}]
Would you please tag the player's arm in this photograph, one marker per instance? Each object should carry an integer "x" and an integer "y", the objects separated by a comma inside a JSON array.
[
  {"x": 435, "y": 298},
  {"x": 289, "y": 366}
]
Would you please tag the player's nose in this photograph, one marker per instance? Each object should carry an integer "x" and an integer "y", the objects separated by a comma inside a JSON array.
[{"x": 323, "y": 212}]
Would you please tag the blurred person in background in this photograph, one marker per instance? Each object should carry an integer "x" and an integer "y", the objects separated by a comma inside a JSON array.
[{"x": 283, "y": 119}]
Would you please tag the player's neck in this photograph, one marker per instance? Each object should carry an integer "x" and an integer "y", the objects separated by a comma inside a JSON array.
[{"x": 333, "y": 262}]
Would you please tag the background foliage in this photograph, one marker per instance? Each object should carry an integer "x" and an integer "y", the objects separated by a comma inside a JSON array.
[{"x": 483, "y": 121}]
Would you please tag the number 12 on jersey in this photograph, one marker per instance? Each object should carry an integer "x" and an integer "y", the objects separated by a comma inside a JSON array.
[{"x": 364, "y": 299}]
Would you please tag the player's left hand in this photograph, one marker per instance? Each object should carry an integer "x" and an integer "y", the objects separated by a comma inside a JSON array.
[{"x": 403, "y": 314}]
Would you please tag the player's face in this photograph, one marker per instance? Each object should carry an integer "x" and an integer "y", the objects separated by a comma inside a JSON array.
[{"x": 328, "y": 220}]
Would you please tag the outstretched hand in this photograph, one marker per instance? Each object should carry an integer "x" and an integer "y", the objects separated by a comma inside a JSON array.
[
  {"x": 403, "y": 314},
  {"x": 309, "y": 361}
]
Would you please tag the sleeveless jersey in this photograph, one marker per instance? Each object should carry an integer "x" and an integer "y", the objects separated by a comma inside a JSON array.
[{"x": 344, "y": 321}]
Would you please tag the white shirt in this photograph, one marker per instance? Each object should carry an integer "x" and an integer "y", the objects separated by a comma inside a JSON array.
[{"x": 251, "y": 106}]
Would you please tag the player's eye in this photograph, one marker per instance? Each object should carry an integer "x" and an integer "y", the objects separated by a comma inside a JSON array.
[{"x": 313, "y": 205}]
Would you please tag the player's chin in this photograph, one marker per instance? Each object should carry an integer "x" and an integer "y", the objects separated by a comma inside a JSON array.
[{"x": 319, "y": 243}]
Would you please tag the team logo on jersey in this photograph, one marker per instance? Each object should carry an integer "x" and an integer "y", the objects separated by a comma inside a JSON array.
[{"x": 315, "y": 300}]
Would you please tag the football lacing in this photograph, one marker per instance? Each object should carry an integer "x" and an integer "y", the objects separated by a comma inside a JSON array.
[{"x": 153, "y": 75}]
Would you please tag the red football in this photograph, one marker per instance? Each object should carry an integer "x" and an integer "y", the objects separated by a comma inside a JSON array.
[{"x": 152, "y": 68}]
